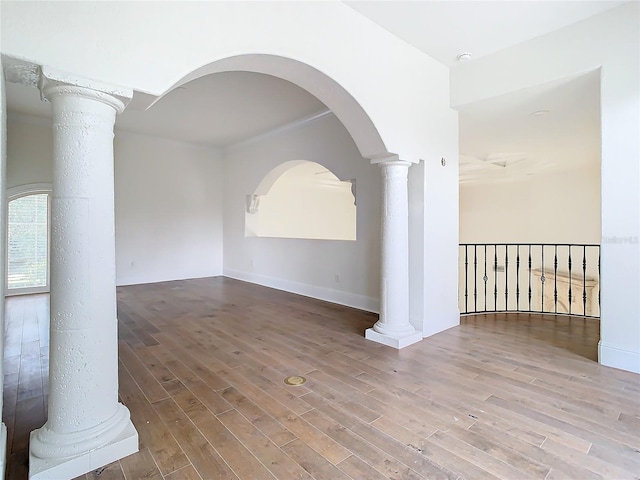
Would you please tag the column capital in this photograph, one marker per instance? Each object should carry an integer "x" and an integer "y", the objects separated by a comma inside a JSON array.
[
  {"x": 394, "y": 163},
  {"x": 54, "y": 82},
  {"x": 389, "y": 159}
]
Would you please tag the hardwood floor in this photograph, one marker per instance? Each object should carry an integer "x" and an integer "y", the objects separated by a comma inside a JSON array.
[{"x": 202, "y": 364}]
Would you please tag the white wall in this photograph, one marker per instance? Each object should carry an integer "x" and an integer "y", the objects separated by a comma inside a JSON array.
[
  {"x": 29, "y": 150},
  {"x": 610, "y": 42},
  {"x": 343, "y": 272},
  {"x": 168, "y": 210},
  {"x": 433, "y": 233},
  {"x": 555, "y": 207},
  {"x": 168, "y": 199},
  {"x": 364, "y": 59}
]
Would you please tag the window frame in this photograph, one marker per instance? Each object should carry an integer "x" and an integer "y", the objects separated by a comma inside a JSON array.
[{"x": 15, "y": 193}]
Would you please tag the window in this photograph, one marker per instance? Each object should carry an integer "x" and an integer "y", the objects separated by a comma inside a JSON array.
[{"x": 28, "y": 243}]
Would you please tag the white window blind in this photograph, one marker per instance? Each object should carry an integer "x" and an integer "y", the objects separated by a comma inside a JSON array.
[{"x": 27, "y": 262}]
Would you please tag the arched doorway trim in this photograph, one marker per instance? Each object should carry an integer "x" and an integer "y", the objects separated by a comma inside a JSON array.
[{"x": 28, "y": 189}]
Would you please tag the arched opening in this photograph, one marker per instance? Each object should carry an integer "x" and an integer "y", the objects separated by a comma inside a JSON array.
[
  {"x": 342, "y": 139},
  {"x": 530, "y": 209},
  {"x": 28, "y": 233},
  {"x": 302, "y": 199},
  {"x": 343, "y": 105}
]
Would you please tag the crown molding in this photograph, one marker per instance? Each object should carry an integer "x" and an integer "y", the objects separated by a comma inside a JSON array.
[{"x": 300, "y": 122}]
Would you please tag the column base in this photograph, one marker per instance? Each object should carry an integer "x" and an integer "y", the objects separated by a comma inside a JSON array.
[
  {"x": 395, "y": 341},
  {"x": 125, "y": 444}
]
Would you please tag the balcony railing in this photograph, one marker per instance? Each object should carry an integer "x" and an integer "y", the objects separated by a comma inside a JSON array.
[{"x": 530, "y": 277}]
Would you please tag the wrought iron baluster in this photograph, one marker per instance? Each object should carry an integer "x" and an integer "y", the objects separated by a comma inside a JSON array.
[
  {"x": 529, "y": 277},
  {"x": 466, "y": 264},
  {"x": 475, "y": 278},
  {"x": 542, "y": 279},
  {"x": 506, "y": 277},
  {"x": 584, "y": 280},
  {"x": 570, "y": 296},
  {"x": 555, "y": 279},
  {"x": 485, "y": 278},
  {"x": 495, "y": 278},
  {"x": 518, "y": 277}
]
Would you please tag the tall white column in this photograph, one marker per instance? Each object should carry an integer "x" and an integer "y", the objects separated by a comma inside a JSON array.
[
  {"x": 393, "y": 327},
  {"x": 86, "y": 427},
  {"x": 3, "y": 254}
]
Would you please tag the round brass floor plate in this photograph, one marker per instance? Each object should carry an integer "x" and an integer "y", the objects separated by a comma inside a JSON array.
[{"x": 295, "y": 380}]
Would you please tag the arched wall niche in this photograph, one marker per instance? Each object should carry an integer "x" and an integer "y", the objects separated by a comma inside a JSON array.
[
  {"x": 343, "y": 105},
  {"x": 302, "y": 199}
]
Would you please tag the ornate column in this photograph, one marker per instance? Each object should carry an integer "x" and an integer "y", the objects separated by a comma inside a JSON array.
[
  {"x": 86, "y": 427},
  {"x": 393, "y": 327}
]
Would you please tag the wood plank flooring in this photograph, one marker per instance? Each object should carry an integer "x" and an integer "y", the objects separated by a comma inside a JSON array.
[{"x": 202, "y": 364}]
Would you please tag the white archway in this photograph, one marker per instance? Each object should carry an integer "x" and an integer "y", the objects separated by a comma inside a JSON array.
[
  {"x": 343, "y": 105},
  {"x": 404, "y": 92},
  {"x": 394, "y": 327}
]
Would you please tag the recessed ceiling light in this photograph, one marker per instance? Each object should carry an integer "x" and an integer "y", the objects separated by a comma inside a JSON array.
[
  {"x": 463, "y": 57},
  {"x": 538, "y": 113}
]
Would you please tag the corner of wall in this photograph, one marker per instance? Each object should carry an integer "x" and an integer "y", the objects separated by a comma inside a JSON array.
[
  {"x": 614, "y": 357},
  {"x": 416, "y": 246},
  {"x": 352, "y": 300}
]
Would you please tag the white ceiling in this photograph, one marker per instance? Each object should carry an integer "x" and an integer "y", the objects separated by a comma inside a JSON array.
[
  {"x": 498, "y": 137},
  {"x": 445, "y": 28},
  {"x": 502, "y": 139},
  {"x": 217, "y": 110}
]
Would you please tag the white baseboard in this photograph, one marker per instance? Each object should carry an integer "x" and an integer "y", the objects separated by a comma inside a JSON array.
[
  {"x": 615, "y": 357},
  {"x": 144, "y": 279},
  {"x": 360, "y": 302},
  {"x": 430, "y": 323}
]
